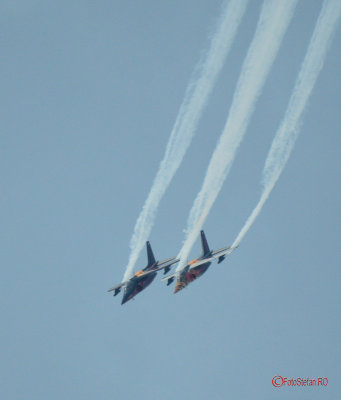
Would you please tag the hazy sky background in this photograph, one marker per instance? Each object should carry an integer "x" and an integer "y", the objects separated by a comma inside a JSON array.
[{"x": 90, "y": 92}]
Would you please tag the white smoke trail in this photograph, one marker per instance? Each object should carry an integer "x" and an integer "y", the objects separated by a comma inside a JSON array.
[
  {"x": 195, "y": 99},
  {"x": 288, "y": 131},
  {"x": 273, "y": 22}
]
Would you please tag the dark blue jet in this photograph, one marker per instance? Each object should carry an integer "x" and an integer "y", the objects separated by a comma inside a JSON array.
[{"x": 144, "y": 277}]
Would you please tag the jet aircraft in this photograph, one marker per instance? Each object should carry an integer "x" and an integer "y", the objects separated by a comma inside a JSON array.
[
  {"x": 144, "y": 277},
  {"x": 195, "y": 268}
]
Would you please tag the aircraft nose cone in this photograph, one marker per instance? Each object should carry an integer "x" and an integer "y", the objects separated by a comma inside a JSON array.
[
  {"x": 128, "y": 292},
  {"x": 179, "y": 285},
  {"x": 124, "y": 298}
]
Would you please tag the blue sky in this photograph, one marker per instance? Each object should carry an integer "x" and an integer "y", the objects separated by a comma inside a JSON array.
[{"x": 90, "y": 93}]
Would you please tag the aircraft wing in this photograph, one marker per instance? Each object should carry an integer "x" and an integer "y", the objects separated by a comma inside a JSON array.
[
  {"x": 225, "y": 250},
  {"x": 117, "y": 288},
  {"x": 222, "y": 253},
  {"x": 170, "y": 278},
  {"x": 165, "y": 264},
  {"x": 194, "y": 265}
]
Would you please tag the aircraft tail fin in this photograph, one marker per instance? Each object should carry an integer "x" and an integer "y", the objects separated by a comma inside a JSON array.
[
  {"x": 150, "y": 254},
  {"x": 205, "y": 248}
]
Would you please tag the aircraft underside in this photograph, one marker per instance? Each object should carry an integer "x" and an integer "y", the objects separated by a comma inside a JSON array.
[
  {"x": 189, "y": 276},
  {"x": 136, "y": 287}
]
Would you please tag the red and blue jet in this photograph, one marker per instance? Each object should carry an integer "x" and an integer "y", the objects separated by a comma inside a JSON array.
[{"x": 197, "y": 267}]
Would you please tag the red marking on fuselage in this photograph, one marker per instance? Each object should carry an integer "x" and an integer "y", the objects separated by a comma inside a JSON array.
[{"x": 144, "y": 282}]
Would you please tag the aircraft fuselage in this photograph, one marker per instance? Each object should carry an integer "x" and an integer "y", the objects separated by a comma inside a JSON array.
[
  {"x": 187, "y": 276},
  {"x": 136, "y": 285}
]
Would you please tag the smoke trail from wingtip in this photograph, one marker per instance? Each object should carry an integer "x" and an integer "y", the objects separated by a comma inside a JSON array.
[
  {"x": 288, "y": 131},
  {"x": 273, "y": 22},
  {"x": 195, "y": 99}
]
